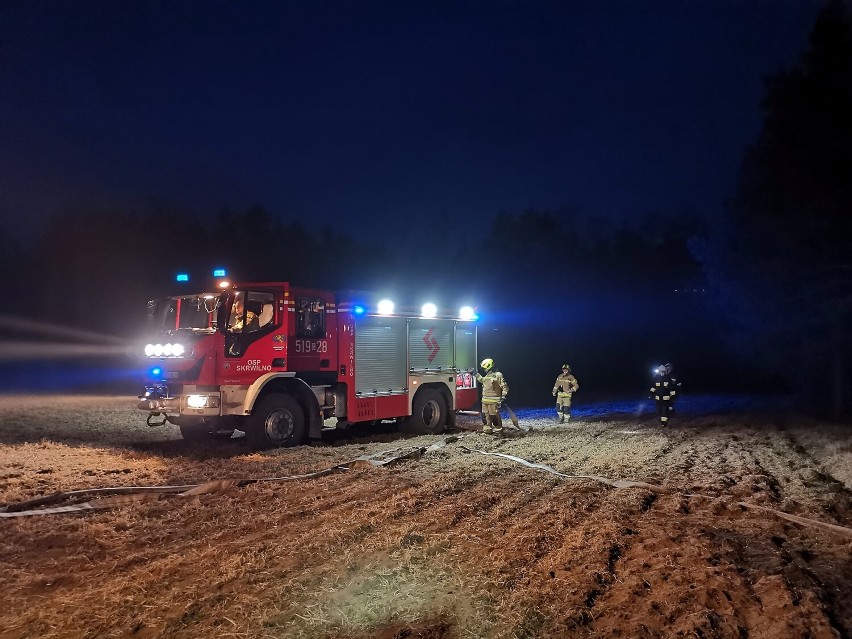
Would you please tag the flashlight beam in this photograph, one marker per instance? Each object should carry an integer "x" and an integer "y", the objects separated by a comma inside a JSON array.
[
  {"x": 25, "y": 325},
  {"x": 23, "y": 351}
]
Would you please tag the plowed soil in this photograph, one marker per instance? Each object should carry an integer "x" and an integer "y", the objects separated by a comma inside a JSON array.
[{"x": 447, "y": 543}]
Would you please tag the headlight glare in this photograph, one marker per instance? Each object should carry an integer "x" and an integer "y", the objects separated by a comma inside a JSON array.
[
  {"x": 467, "y": 313},
  {"x": 202, "y": 401},
  {"x": 196, "y": 401},
  {"x": 167, "y": 350}
]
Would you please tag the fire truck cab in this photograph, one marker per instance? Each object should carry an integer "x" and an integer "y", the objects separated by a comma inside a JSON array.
[{"x": 283, "y": 363}]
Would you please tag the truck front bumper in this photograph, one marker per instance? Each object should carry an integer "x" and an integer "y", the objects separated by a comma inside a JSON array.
[{"x": 157, "y": 401}]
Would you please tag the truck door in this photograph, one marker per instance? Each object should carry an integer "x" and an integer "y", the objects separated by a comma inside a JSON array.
[
  {"x": 311, "y": 348},
  {"x": 250, "y": 337}
]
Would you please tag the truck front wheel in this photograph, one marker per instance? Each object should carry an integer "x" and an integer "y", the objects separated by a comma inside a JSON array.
[
  {"x": 428, "y": 413},
  {"x": 276, "y": 422}
]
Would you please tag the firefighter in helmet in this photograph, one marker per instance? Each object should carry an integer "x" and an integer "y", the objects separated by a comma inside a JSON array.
[
  {"x": 494, "y": 391},
  {"x": 563, "y": 388},
  {"x": 663, "y": 391}
]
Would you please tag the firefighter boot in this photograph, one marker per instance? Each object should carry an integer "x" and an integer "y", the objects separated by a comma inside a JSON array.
[{"x": 486, "y": 427}]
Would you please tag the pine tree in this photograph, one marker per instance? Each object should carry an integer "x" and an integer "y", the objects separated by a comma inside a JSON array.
[{"x": 783, "y": 268}]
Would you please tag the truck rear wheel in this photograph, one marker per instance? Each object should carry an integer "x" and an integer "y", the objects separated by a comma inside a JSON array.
[
  {"x": 276, "y": 422},
  {"x": 428, "y": 413}
]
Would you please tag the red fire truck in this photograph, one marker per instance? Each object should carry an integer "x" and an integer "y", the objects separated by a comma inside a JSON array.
[{"x": 283, "y": 363}]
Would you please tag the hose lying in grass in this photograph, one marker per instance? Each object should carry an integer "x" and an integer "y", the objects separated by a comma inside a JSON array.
[
  {"x": 623, "y": 483},
  {"x": 130, "y": 494}
]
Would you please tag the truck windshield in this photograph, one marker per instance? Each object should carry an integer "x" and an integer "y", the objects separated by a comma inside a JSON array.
[{"x": 187, "y": 312}]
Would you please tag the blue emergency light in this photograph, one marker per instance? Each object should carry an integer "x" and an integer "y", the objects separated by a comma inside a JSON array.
[
  {"x": 219, "y": 272},
  {"x": 182, "y": 277},
  {"x": 359, "y": 310},
  {"x": 156, "y": 372}
]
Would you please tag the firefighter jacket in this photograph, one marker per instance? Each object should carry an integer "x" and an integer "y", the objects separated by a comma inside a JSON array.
[
  {"x": 675, "y": 385},
  {"x": 663, "y": 388},
  {"x": 565, "y": 384},
  {"x": 494, "y": 387}
]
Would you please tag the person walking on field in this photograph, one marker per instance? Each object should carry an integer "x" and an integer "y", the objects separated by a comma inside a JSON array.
[
  {"x": 494, "y": 392},
  {"x": 663, "y": 391},
  {"x": 563, "y": 389},
  {"x": 675, "y": 388}
]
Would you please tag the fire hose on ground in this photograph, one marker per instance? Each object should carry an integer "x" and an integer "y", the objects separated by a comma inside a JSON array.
[{"x": 124, "y": 495}]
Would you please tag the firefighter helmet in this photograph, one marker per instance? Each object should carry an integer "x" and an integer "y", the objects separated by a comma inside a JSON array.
[
  {"x": 565, "y": 367},
  {"x": 487, "y": 364},
  {"x": 668, "y": 368}
]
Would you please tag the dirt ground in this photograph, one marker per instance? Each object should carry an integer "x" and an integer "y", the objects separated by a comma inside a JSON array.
[{"x": 449, "y": 543}]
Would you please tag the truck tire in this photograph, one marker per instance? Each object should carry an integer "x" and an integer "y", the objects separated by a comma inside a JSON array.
[
  {"x": 428, "y": 413},
  {"x": 277, "y": 421}
]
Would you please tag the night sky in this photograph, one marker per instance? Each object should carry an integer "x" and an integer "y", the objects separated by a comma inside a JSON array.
[{"x": 341, "y": 113}]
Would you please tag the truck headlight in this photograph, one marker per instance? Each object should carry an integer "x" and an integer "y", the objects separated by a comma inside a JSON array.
[
  {"x": 165, "y": 350},
  {"x": 202, "y": 401}
]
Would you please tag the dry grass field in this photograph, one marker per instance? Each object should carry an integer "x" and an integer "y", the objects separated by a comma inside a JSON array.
[{"x": 448, "y": 543}]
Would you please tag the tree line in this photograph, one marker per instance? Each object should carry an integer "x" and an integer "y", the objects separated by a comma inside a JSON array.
[
  {"x": 98, "y": 268},
  {"x": 779, "y": 268}
]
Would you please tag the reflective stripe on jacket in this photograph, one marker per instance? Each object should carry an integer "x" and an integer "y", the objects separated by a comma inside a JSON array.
[
  {"x": 664, "y": 387},
  {"x": 565, "y": 385}
]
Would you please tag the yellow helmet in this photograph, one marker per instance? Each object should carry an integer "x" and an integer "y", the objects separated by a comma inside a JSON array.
[{"x": 487, "y": 364}]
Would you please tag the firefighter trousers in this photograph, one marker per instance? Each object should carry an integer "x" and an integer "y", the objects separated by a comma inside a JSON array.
[
  {"x": 492, "y": 422},
  {"x": 663, "y": 410},
  {"x": 563, "y": 406}
]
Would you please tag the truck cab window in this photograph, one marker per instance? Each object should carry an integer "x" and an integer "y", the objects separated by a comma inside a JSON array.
[
  {"x": 251, "y": 316},
  {"x": 251, "y": 311},
  {"x": 310, "y": 318}
]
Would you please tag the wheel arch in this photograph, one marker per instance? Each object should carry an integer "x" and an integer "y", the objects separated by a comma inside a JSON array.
[
  {"x": 292, "y": 385},
  {"x": 415, "y": 422},
  {"x": 441, "y": 387}
]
